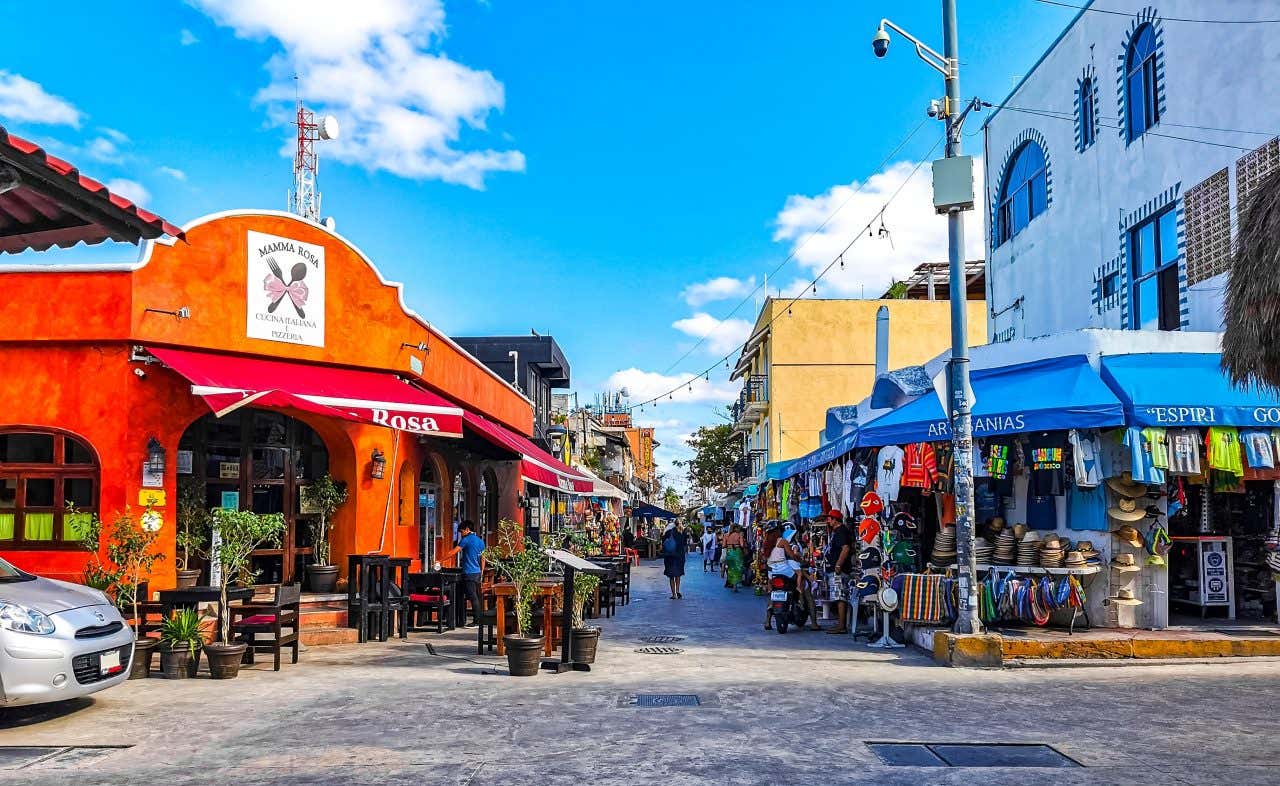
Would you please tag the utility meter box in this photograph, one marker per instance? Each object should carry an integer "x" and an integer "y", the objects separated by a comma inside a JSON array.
[{"x": 953, "y": 184}]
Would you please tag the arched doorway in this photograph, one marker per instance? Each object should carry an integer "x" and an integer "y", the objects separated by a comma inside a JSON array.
[
  {"x": 428, "y": 513},
  {"x": 260, "y": 460}
]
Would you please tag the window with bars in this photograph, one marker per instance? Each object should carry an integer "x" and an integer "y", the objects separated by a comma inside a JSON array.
[{"x": 48, "y": 489}]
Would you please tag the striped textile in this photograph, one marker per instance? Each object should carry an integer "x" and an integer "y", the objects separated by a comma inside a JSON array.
[{"x": 921, "y": 600}]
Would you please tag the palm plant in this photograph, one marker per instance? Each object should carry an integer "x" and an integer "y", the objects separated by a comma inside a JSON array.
[{"x": 1251, "y": 308}]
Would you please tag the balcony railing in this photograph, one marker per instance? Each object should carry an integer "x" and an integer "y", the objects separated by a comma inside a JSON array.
[
  {"x": 750, "y": 465},
  {"x": 752, "y": 402}
]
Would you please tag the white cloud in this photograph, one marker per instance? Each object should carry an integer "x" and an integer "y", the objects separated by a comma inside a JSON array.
[
  {"x": 722, "y": 335},
  {"x": 24, "y": 100},
  {"x": 684, "y": 388},
  {"x": 129, "y": 189},
  {"x": 118, "y": 137},
  {"x": 176, "y": 174},
  {"x": 402, "y": 107},
  {"x": 916, "y": 233},
  {"x": 103, "y": 149},
  {"x": 719, "y": 288},
  {"x": 187, "y": 38}
]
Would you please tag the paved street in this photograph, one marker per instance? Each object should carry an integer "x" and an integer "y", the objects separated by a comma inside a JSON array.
[{"x": 777, "y": 710}]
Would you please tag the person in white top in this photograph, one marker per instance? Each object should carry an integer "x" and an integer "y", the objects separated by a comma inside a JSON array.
[{"x": 708, "y": 549}]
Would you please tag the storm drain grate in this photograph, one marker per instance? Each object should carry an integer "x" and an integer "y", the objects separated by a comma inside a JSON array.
[
  {"x": 664, "y": 639},
  {"x": 18, "y": 757},
  {"x": 934, "y": 754},
  {"x": 665, "y": 700},
  {"x": 659, "y": 650}
]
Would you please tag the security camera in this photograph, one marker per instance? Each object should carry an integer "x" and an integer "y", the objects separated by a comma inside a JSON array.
[
  {"x": 880, "y": 43},
  {"x": 935, "y": 108}
]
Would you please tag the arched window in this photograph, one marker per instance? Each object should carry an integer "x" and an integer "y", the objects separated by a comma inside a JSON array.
[
  {"x": 1086, "y": 115},
  {"x": 48, "y": 489},
  {"x": 1142, "y": 106},
  {"x": 1024, "y": 194}
]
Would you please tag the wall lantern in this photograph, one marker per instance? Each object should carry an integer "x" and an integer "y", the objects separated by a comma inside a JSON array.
[
  {"x": 377, "y": 464},
  {"x": 155, "y": 456}
]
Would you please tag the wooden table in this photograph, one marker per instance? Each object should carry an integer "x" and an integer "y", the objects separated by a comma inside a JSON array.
[{"x": 548, "y": 589}]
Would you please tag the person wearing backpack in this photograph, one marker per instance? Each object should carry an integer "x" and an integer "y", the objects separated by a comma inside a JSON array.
[{"x": 674, "y": 550}]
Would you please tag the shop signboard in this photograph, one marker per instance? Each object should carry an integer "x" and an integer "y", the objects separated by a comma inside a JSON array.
[
  {"x": 230, "y": 500},
  {"x": 186, "y": 459},
  {"x": 152, "y": 478},
  {"x": 1215, "y": 574},
  {"x": 285, "y": 297},
  {"x": 228, "y": 470}
]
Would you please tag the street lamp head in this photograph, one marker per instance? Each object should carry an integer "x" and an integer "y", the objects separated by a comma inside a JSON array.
[{"x": 880, "y": 43}]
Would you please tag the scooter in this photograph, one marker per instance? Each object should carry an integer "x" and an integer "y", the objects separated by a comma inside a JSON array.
[{"x": 785, "y": 605}]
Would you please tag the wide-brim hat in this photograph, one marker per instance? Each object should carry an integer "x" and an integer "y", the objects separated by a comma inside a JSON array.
[
  {"x": 1085, "y": 547},
  {"x": 1130, "y": 535},
  {"x": 1125, "y": 563},
  {"x": 1126, "y": 486},
  {"x": 1124, "y": 512},
  {"x": 888, "y": 599},
  {"x": 1074, "y": 560},
  {"x": 1031, "y": 537},
  {"x": 1124, "y": 597}
]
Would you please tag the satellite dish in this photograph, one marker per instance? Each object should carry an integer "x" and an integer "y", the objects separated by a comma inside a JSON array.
[
  {"x": 328, "y": 127},
  {"x": 330, "y": 224},
  {"x": 624, "y": 393}
]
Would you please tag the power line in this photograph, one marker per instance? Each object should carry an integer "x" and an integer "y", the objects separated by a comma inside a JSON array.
[
  {"x": 839, "y": 259},
  {"x": 814, "y": 233},
  {"x": 1091, "y": 9},
  {"x": 1058, "y": 115}
]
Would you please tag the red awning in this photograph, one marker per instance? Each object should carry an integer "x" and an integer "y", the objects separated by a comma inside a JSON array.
[
  {"x": 536, "y": 465},
  {"x": 45, "y": 201},
  {"x": 228, "y": 382}
]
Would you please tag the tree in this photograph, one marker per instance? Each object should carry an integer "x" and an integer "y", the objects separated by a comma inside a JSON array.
[
  {"x": 325, "y": 495},
  {"x": 1251, "y": 311},
  {"x": 240, "y": 532},
  {"x": 715, "y": 450},
  {"x": 671, "y": 499}
]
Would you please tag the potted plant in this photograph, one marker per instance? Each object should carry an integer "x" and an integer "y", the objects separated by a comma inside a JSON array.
[
  {"x": 130, "y": 555},
  {"x": 193, "y": 528},
  {"x": 324, "y": 496},
  {"x": 522, "y": 562},
  {"x": 585, "y": 637},
  {"x": 180, "y": 643},
  {"x": 240, "y": 532}
]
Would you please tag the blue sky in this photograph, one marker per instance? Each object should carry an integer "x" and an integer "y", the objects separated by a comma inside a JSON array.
[{"x": 582, "y": 169}]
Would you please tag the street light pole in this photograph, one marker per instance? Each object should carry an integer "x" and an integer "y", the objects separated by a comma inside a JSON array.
[{"x": 948, "y": 64}]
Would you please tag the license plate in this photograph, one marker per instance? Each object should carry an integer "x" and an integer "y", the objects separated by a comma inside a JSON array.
[
  {"x": 109, "y": 662},
  {"x": 778, "y": 595}
]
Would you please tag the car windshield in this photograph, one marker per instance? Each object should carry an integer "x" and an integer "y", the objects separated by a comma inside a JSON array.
[{"x": 9, "y": 573}]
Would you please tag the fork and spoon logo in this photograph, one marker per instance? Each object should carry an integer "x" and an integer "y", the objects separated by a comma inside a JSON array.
[{"x": 277, "y": 289}]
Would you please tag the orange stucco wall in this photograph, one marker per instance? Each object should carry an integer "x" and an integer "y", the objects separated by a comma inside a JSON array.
[{"x": 65, "y": 364}]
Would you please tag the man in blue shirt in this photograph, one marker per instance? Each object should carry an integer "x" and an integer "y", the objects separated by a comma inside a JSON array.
[{"x": 471, "y": 546}]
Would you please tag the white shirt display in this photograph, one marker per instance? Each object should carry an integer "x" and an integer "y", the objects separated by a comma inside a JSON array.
[
  {"x": 1086, "y": 448},
  {"x": 889, "y": 472}
]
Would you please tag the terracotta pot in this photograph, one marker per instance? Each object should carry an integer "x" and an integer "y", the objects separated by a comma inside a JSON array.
[
  {"x": 178, "y": 663},
  {"x": 524, "y": 655},
  {"x": 585, "y": 641},
  {"x": 143, "y": 649},
  {"x": 322, "y": 578},
  {"x": 224, "y": 659},
  {"x": 188, "y": 578}
]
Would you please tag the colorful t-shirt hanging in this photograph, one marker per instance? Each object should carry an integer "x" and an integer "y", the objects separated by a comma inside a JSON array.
[
  {"x": 920, "y": 466},
  {"x": 1184, "y": 451},
  {"x": 999, "y": 455},
  {"x": 1257, "y": 448},
  {"x": 1144, "y": 470},
  {"x": 1222, "y": 443},
  {"x": 1158, "y": 445},
  {"x": 1046, "y": 454}
]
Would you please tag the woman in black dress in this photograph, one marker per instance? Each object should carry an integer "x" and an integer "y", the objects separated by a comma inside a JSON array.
[{"x": 674, "y": 551}]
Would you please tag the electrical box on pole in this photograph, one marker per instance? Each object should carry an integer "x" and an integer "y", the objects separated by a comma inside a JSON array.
[{"x": 953, "y": 184}]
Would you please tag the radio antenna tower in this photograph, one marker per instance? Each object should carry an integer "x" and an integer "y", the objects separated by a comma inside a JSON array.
[{"x": 304, "y": 199}]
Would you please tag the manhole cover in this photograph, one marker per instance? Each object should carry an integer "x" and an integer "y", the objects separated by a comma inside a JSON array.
[
  {"x": 659, "y": 650},
  {"x": 665, "y": 700},
  {"x": 934, "y": 754},
  {"x": 664, "y": 639}
]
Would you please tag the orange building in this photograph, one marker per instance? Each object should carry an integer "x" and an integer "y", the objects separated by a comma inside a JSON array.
[{"x": 247, "y": 359}]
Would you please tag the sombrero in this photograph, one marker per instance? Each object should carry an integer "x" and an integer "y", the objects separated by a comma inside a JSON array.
[
  {"x": 868, "y": 530},
  {"x": 1126, "y": 510},
  {"x": 1130, "y": 535},
  {"x": 1125, "y": 597},
  {"x": 1126, "y": 486}
]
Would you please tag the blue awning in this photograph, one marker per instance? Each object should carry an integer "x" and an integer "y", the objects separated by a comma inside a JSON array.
[
  {"x": 823, "y": 455},
  {"x": 1044, "y": 395},
  {"x": 645, "y": 510},
  {"x": 1185, "y": 389}
]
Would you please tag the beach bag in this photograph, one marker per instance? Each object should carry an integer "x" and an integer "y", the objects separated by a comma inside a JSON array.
[{"x": 669, "y": 547}]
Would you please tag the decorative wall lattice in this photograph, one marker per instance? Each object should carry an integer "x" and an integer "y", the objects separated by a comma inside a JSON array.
[
  {"x": 1207, "y": 207},
  {"x": 1252, "y": 169}
]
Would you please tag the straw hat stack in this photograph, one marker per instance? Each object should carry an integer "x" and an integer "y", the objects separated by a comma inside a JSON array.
[
  {"x": 983, "y": 550},
  {"x": 1091, "y": 555},
  {"x": 944, "y": 546},
  {"x": 1052, "y": 550},
  {"x": 1006, "y": 542},
  {"x": 1029, "y": 550},
  {"x": 1074, "y": 560}
]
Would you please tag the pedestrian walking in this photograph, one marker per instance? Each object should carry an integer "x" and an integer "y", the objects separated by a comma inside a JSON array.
[
  {"x": 708, "y": 549},
  {"x": 735, "y": 546},
  {"x": 471, "y": 546},
  {"x": 674, "y": 553}
]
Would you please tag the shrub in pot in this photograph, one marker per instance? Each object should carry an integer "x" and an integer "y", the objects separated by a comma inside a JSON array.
[
  {"x": 130, "y": 554},
  {"x": 323, "y": 496},
  {"x": 523, "y": 563},
  {"x": 180, "y": 644},
  {"x": 193, "y": 529},
  {"x": 240, "y": 532},
  {"x": 585, "y": 638}
]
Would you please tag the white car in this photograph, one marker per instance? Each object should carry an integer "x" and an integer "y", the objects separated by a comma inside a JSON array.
[{"x": 58, "y": 640}]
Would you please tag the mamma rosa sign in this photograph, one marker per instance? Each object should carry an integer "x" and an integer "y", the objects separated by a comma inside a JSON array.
[{"x": 285, "y": 297}]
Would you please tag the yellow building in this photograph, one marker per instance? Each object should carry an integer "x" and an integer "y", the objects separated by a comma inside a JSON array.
[{"x": 823, "y": 354}]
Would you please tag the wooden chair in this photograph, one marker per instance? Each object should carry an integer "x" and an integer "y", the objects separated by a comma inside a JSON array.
[
  {"x": 270, "y": 619},
  {"x": 427, "y": 596},
  {"x": 150, "y": 613},
  {"x": 397, "y": 600},
  {"x": 368, "y": 587}
]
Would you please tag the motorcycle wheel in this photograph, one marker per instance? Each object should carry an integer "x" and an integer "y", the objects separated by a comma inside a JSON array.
[{"x": 782, "y": 624}]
